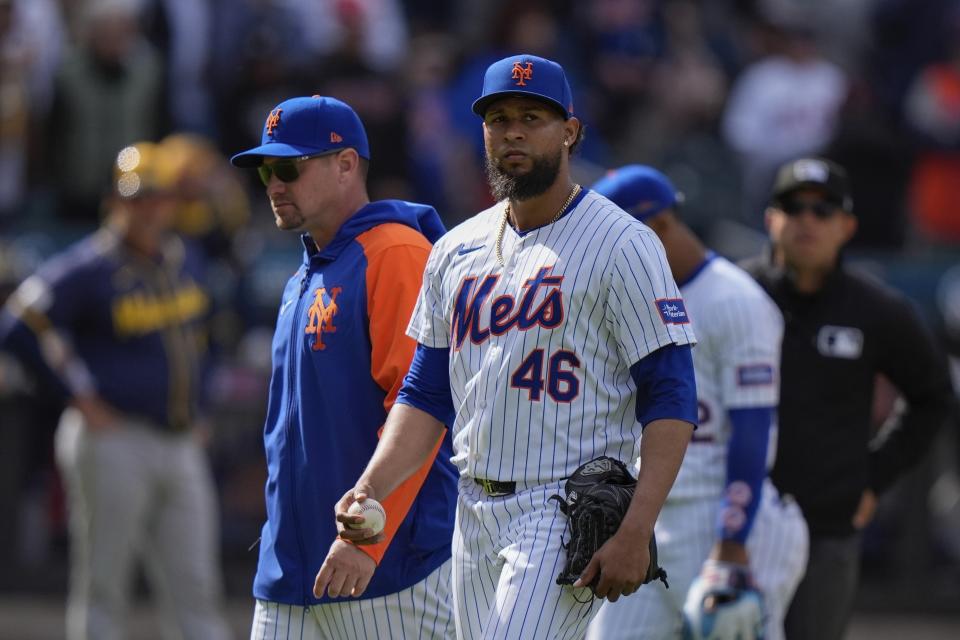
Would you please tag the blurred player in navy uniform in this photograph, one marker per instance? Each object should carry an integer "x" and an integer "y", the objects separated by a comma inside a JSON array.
[
  {"x": 115, "y": 325},
  {"x": 841, "y": 331}
]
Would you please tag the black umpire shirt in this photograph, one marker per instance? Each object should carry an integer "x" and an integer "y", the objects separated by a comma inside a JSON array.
[{"x": 835, "y": 342}]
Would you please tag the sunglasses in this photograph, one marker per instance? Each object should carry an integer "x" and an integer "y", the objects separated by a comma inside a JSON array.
[
  {"x": 820, "y": 208},
  {"x": 286, "y": 170}
]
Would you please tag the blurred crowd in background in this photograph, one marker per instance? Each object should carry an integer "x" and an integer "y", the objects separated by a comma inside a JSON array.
[{"x": 716, "y": 93}]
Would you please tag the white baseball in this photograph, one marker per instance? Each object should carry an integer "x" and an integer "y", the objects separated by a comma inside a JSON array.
[{"x": 374, "y": 517}]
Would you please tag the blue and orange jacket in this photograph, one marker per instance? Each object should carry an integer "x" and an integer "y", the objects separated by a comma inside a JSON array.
[{"x": 339, "y": 357}]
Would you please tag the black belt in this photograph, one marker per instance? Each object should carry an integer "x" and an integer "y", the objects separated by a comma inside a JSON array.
[{"x": 495, "y": 488}]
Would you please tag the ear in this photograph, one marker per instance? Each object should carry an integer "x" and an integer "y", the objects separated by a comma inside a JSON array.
[
  {"x": 769, "y": 218},
  {"x": 571, "y": 130},
  {"x": 850, "y": 226},
  {"x": 658, "y": 223},
  {"x": 348, "y": 161}
]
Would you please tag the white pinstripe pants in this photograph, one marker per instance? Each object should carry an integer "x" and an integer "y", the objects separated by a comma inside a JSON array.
[
  {"x": 507, "y": 553},
  {"x": 686, "y": 531},
  {"x": 421, "y": 611}
]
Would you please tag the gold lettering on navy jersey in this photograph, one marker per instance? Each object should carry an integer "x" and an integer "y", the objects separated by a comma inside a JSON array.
[
  {"x": 138, "y": 313},
  {"x": 320, "y": 315},
  {"x": 505, "y": 313}
]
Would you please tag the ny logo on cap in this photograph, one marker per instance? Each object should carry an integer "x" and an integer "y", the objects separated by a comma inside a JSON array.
[
  {"x": 643, "y": 207},
  {"x": 273, "y": 120},
  {"x": 521, "y": 73}
]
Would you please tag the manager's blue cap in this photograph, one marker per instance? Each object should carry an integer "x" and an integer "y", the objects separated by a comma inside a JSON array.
[
  {"x": 304, "y": 127},
  {"x": 641, "y": 191},
  {"x": 526, "y": 75}
]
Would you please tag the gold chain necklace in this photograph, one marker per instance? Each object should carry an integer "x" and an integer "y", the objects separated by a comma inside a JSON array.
[{"x": 506, "y": 216}]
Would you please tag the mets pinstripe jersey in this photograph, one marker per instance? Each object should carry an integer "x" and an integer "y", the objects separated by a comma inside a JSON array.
[
  {"x": 736, "y": 363},
  {"x": 541, "y": 347}
]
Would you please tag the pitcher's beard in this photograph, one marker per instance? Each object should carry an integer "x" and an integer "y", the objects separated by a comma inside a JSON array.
[{"x": 541, "y": 177}]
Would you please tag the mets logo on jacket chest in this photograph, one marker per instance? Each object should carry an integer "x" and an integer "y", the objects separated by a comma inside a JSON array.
[{"x": 320, "y": 315}]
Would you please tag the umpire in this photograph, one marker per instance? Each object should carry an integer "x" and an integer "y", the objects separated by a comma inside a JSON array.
[{"x": 841, "y": 330}]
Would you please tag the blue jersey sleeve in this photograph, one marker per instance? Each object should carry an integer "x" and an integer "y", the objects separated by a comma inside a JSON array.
[
  {"x": 666, "y": 387},
  {"x": 49, "y": 301},
  {"x": 17, "y": 339},
  {"x": 746, "y": 469},
  {"x": 427, "y": 384}
]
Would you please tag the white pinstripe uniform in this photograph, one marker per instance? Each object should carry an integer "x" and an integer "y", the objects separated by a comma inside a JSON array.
[
  {"x": 540, "y": 351},
  {"x": 419, "y": 611},
  {"x": 739, "y": 330}
]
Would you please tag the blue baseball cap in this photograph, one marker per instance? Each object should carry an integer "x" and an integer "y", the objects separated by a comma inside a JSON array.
[
  {"x": 526, "y": 75},
  {"x": 305, "y": 127},
  {"x": 641, "y": 191}
]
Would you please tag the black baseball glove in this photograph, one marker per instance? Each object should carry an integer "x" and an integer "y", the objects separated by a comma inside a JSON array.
[{"x": 598, "y": 496}]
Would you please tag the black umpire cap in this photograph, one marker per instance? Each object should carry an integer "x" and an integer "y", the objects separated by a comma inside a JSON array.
[{"x": 813, "y": 173}]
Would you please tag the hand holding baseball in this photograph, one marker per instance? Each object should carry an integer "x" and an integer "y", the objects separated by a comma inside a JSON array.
[
  {"x": 360, "y": 518},
  {"x": 372, "y": 514}
]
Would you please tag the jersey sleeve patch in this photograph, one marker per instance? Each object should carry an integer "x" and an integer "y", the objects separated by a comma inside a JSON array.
[
  {"x": 753, "y": 375},
  {"x": 672, "y": 311}
]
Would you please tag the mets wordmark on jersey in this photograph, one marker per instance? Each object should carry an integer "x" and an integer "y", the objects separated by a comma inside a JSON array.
[{"x": 541, "y": 347}]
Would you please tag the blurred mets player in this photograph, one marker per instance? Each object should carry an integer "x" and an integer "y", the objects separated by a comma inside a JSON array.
[
  {"x": 734, "y": 550},
  {"x": 549, "y": 331}
]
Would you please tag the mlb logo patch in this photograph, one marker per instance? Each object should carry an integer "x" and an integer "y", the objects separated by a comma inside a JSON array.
[
  {"x": 751, "y": 375},
  {"x": 840, "y": 342},
  {"x": 672, "y": 311},
  {"x": 811, "y": 171}
]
